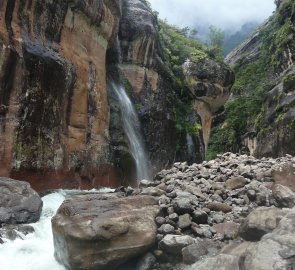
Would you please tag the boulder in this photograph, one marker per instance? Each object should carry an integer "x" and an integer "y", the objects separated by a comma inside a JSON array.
[
  {"x": 276, "y": 249},
  {"x": 173, "y": 244},
  {"x": 260, "y": 222},
  {"x": 98, "y": 232},
  {"x": 284, "y": 196},
  {"x": 220, "y": 262},
  {"x": 228, "y": 230},
  {"x": 19, "y": 203},
  {"x": 194, "y": 252}
]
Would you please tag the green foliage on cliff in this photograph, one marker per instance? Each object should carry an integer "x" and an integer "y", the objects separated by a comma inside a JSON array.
[
  {"x": 177, "y": 47},
  {"x": 245, "y": 111}
]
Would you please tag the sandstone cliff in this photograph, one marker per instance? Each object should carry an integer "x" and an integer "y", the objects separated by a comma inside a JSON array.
[
  {"x": 60, "y": 125},
  {"x": 54, "y": 111}
]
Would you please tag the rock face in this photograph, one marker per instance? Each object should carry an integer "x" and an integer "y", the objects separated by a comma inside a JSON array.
[
  {"x": 264, "y": 66},
  {"x": 58, "y": 121},
  {"x": 210, "y": 84},
  {"x": 53, "y": 105},
  {"x": 103, "y": 231},
  {"x": 19, "y": 203}
]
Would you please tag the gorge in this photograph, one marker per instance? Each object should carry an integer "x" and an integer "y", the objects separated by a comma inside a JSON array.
[{"x": 196, "y": 152}]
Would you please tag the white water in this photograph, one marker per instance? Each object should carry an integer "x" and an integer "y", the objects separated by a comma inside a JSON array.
[
  {"x": 36, "y": 251},
  {"x": 190, "y": 145},
  {"x": 131, "y": 127}
]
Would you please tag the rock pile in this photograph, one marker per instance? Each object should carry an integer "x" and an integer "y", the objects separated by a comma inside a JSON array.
[{"x": 205, "y": 206}]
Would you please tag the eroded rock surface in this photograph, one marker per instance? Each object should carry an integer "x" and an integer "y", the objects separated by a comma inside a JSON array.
[
  {"x": 19, "y": 203},
  {"x": 103, "y": 231},
  {"x": 53, "y": 105}
]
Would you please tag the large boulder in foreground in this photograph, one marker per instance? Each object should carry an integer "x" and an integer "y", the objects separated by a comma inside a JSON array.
[
  {"x": 97, "y": 232},
  {"x": 261, "y": 221},
  {"x": 19, "y": 203}
]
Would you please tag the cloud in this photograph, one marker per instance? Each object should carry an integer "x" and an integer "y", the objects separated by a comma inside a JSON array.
[{"x": 225, "y": 14}]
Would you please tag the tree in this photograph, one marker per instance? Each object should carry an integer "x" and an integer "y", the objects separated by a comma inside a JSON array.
[
  {"x": 215, "y": 37},
  {"x": 214, "y": 43}
]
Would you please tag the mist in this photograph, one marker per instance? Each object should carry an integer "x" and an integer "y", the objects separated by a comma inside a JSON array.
[{"x": 224, "y": 14}]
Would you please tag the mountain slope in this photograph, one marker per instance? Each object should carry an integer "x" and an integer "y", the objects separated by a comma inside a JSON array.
[{"x": 260, "y": 117}]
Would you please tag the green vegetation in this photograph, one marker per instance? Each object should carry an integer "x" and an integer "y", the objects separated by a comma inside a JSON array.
[
  {"x": 214, "y": 43},
  {"x": 246, "y": 109},
  {"x": 289, "y": 82},
  {"x": 177, "y": 47}
]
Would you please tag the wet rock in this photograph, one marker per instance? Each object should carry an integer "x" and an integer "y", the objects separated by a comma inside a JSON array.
[
  {"x": 19, "y": 203},
  {"x": 112, "y": 230}
]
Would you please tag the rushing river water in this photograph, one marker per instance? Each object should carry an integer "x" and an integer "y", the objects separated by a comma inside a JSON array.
[
  {"x": 131, "y": 127},
  {"x": 35, "y": 251}
]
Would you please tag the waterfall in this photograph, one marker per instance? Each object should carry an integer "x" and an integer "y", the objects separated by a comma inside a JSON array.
[
  {"x": 190, "y": 148},
  {"x": 131, "y": 126}
]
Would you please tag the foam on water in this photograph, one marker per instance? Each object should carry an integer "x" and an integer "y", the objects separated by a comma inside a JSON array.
[{"x": 35, "y": 251}]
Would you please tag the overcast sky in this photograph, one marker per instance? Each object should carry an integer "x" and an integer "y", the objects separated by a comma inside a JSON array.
[{"x": 225, "y": 14}]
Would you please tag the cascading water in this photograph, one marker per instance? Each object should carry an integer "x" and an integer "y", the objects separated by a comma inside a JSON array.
[
  {"x": 131, "y": 127},
  {"x": 35, "y": 251}
]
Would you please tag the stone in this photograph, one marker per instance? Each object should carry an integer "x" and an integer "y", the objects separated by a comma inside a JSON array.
[
  {"x": 182, "y": 206},
  {"x": 166, "y": 229},
  {"x": 174, "y": 244},
  {"x": 97, "y": 232},
  {"x": 227, "y": 230},
  {"x": 194, "y": 252},
  {"x": 235, "y": 183},
  {"x": 170, "y": 188},
  {"x": 275, "y": 250},
  {"x": 284, "y": 196},
  {"x": 19, "y": 203},
  {"x": 251, "y": 193},
  {"x": 200, "y": 217},
  {"x": 220, "y": 262},
  {"x": 184, "y": 221},
  {"x": 217, "y": 217},
  {"x": 174, "y": 217},
  {"x": 153, "y": 191},
  {"x": 216, "y": 206},
  {"x": 146, "y": 262},
  {"x": 238, "y": 249},
  {"x": 260, "y": 222},
  {"x": 285, "y": 175},
  {"x": 160, "y": 220}
]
